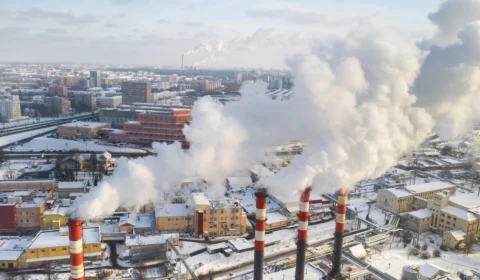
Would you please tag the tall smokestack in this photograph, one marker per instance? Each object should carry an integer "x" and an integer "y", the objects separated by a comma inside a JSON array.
[
  {"x": 302, "y": 233},
  {"x": 75, "y": 235},
  {"x": 339, "y": 230},
  {"x": 260, "y": 219}
]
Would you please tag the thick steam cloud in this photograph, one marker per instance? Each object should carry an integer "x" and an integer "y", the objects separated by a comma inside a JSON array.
[{"x": 353, "y": 108}]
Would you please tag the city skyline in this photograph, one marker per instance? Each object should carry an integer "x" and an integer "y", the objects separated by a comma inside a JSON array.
[{"x": 257, "y": 34}]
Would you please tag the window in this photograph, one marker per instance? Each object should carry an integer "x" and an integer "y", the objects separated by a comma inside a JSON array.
[
  {"x": 95, "y": 245},
  {"x": 54, "y": 249},
  {"x": 32, "y": 251},
  {"x": 43, "y": 251},
  {"x": 64, "y": 249}
]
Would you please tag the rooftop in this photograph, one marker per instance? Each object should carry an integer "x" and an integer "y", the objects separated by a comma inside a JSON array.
[
  {"x": 52, "y": 238},
  {"x": 399, "y": 192},
  {"x": 459, "y": 213},
  {"x": 422, "y": 213},
  {"x": 71, "y": 185},
  {"x": 427, "y": 187},
  {"x": 174, "y": 210},
  {"x": 149, "y": 240},
  {"x": 466, "y": 200},
  {"x": 84, "y": 124},
  {"x": 200, "y": 199}
]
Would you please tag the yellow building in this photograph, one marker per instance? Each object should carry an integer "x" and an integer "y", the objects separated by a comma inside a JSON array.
[
  {"x": 80, "y": 129},
  {"x": 453, "y": 239},
  {"x": 419, "y": 220},
  {"x": 54, "y": 218},
  {"x": 12, "y": 251},
  {"x": 52, "y": 246},
  {"x": 219, "y": 218},
  {"x": 403, "y": 200}
]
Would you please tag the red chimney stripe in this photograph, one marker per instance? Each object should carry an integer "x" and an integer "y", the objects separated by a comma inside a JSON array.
[
  {"x": 341, "y": 209},
  {"x": 259, "y": 245},
  {"x": 260, "y": 225},
  {"x": 303, "y": 216},
  {"x": 302, "y": 234},
  {"x": 76, "y": 259}
]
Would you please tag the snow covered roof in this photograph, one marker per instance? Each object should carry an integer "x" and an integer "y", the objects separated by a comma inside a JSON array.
[
  {"x": 358, "y": 251},
  {"x": 238, "y": 182},
  {"x": 261, "y": 171},
  {"x": 71, "y": 185},
  {"x": 427, "y": 187},
  {"x": 52, "y": 238},
  {"x": 399, "y": 192},
  {"x": 429, "y": 270},
  {"x": 466, "y": 200},
  {"x": 275, "y": 217},
  {"x": 241, "y": 244},
  {"x": 84, "y": 124},
  {"x": 458, "y": 234},
  {"x": 313, "y": 272},
  {"x": 422, "y": 213},
  {"x": 174, "y": 210},
  {"x": 149, "y": 240},
  {"x": 459, "y": 213}
]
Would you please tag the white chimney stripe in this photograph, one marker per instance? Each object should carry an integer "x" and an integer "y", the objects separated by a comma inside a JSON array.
[
  {"x": 259, "y": 235},
  {"x": 340, "y": 218},
  {"x": 302, "y": 225},
  {"x": 77, "y": 273},
  {"x": 304, "y": 206},
  {"x": 261, "y": 214}
]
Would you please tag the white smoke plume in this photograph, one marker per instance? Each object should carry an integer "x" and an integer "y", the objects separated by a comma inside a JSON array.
[
  {"x": 449, "y": 81},
  {"x": 353, "y": 109}
]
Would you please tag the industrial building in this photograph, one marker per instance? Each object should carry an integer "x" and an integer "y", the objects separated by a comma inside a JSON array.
[
  {"x": 80, "y": 129},
  {"x": 53, "y": 246},
  {"x": 108, "y": 101},
  {"x": 12, "y": 251},
  {"x": 165, "y": 126}
]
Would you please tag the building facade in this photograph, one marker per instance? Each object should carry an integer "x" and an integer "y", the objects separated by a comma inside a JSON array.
[
  {"x": 165, "y": 126},
  {"x": 133, "y": 91},
  {"x": 80, "y": 129},
  {"x": 95, "y": 79},
  {"x": 56, "y": 105},
  {"x": 85, "y": 101},
  {"x": 109, "y": 101},
  {"x": 58, "y": 90},
  {"x": 10, "y": 107}
]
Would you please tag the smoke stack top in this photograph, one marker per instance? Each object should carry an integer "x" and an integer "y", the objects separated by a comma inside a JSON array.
[{"x": 75, "y": 235}]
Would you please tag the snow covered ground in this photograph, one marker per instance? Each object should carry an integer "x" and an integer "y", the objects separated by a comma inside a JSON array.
[
  {"x": 54, "y": 144},
  {"x": 392, "y": 260},
  {"x": 186, "y": 247},
  {"x": 9, "y": 139}
]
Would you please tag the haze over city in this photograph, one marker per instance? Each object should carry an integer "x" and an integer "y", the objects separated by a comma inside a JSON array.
[{"x": 303, "y": 140}]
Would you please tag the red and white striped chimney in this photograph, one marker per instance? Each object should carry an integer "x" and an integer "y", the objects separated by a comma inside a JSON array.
[
  {"x": 339, "y": 230},
  {"x": 260, "y": 221},
  {"x": 75, "y": 234},
  {"x": 302, "y": 233}
]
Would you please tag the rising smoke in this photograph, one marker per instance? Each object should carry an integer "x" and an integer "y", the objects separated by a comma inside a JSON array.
[{"x": 353, "y": 108}]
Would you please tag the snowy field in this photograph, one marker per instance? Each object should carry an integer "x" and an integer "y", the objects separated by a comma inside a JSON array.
[
  {"x": 54, "y": 144},
  {"x": 392, "y": 260}
]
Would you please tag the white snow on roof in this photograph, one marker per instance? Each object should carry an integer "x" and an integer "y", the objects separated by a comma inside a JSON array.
[
  {"x": 64, "y": 257},
  {"x": 10, "y": 255},
  {"x": 241, "y": 244},
  {"x": 358, "y": 251},
  {"x": 459, "y": 213},
  {"x": 466, "y": 200},
  {"x": 275, "y": 217},
  {"x": 399, "y": 192},
  {"x": 238, "y": 182},
  {"x": 84, "y": 124},
  {"x": 11, "y": 248},
  {"x": 422, "y": 213},
  {"x": 458, "y": 234},
  {"x": 174, "y": 210},
  {"x": 427, "y": 187},
  {"x": 149, "y": 240},
  {"x": 313, "y": 272},
  {"x": 52, "y": 238},
  {"x": 261, "y": 171},
  {"x": 429, "y": 270},
  {"x": 200, "y": 199},
  {"x": 71, "y": 185}
]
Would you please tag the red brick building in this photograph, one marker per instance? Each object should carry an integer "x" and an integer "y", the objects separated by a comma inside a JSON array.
[
  {"x": 8, "y": 220},
  {"x": 165, "y": 126},
  {"x": 57, "y": 90}
]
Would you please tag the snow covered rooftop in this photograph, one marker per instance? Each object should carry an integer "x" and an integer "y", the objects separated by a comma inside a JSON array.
[
  {"x": 466, "y": 200},
  {"x": 261, "y": 171},
  {"x": 200, "y": 199},
  {"x": 358, "y": 251},
  {"x": 429, "y": 270},
  {"x": 71, "y": 185},
  {"x": 52, "y": 238},
  {"x": 174, "y": 210},
  {"x": 399, "y": 192},
  {"x": 427, "y": 187},
  {"x": 422, "y": 213},
  {"x": 458, "y": 234},
  {"x": 149, "y": 240},
  {"x": 241, "y": 244},
  {"x": 84, "y": 124},
  {"x": 275, "y": 217},
  {"x": 312, "y": 272},
  {"x": 459, "y": 213}
]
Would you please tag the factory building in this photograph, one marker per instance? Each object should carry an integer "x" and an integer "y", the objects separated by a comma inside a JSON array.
[
  {"x": 108, "y": 101},
  {"x": 80, "y": 129},
  {"x": 164, "y": 126},
  {"x": 53, "y": 246},
  {"x": 203, "y": 215},
  {"x": 410, "y": 198},
  {"x": 12, "y": 252}
]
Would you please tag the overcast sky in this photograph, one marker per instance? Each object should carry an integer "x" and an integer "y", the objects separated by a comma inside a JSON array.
[{"x": 247, "y": 33}]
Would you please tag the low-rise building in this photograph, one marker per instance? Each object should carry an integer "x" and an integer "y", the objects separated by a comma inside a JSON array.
[
  {"x": 454, "y": 238},
  {"x": 55, "y": 217},
  {"x": 53, "y": 246},
  {"x": 15, "y": 185},
  {"x": 419, "y": 220},
  {"x": 402, "y": 200},
  {"x": 12, "y": 252},
  {"x": 66, "y": 188},
  {"x": 109, "y": 101},
  {"x": 80, "y": 129}
]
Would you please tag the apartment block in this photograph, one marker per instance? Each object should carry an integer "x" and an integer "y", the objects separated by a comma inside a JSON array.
[{"x": 133, "y": 91}]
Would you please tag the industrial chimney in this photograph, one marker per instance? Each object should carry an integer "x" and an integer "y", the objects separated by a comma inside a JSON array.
[
  {"x": 260, "y": 219},
  {"x": 339, "y": 230},
  {"x": 302, "y": 233},
  {"x": 200, "y": 223},
  {"x": 75, "y": 235}
]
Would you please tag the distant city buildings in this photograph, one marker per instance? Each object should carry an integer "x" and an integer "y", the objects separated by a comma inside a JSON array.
[
  {"x": 9, "y": 107},
  {"x": 210, "y": 86},
  {"x": 57, "y": 90},
  {"x": 80, "y": 129},
  {"x": 85, "y": 101},
  {"x": 109, "y": 101},
  {"x": 69, "y": 81},
  {"x": 134, "y": 91},
  {"x": 54, "y": 106},
  {"x": 95, "y": 79}
]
